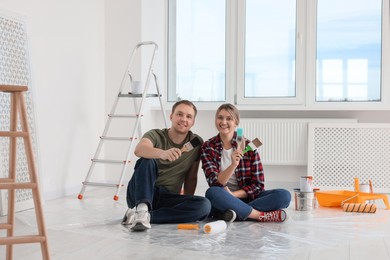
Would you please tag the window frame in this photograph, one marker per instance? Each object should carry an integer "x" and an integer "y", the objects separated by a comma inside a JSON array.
[{"x": 305, "y": 98}]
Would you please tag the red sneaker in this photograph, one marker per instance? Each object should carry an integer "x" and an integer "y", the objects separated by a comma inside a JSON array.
[{"x": 273, "y": 216}]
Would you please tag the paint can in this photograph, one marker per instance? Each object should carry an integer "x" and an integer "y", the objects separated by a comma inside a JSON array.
[
  {"x": 364, "y": 187},
  {"x": 305, "y": 201},
  {"x": 137, "y": 87},
  {"x": 306, "y": 184}
]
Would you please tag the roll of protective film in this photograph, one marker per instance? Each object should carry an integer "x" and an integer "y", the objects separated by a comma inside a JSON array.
[
  {"x": 215, "y": 227},
  {"x": 359, "y": 207}
]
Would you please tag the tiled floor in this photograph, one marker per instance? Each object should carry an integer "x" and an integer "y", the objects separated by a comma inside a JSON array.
[{"x": 90, "y": 229}]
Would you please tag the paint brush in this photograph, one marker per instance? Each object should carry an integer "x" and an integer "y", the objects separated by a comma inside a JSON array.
[
  {"x": 252, "y": 145},
  {"x": 239, "y": 137},
  {"x": 191, "y": 145}
]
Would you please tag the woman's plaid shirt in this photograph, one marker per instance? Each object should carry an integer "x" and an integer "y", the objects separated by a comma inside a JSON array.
[{"x": 249, "y": 172}]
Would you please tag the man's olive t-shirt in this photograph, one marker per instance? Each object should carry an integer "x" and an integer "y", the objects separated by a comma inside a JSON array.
[{"x": 171, "y": 175}]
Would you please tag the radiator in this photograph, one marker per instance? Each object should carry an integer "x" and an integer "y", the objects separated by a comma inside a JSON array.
[
  {"x": 339, "y": 153},
  {"x": 284, "y": 139}
]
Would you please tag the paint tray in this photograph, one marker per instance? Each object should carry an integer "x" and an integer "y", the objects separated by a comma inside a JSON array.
[{"x": 336, "y": 197}]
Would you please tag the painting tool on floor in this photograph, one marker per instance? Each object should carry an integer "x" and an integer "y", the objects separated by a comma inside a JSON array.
[
  {"x": 191, "y": 145},
  {"x": 256, "y": 143},
  {"x": 359, "y": 207},
  {"x": 215, "y": 227},
  {"x": 187, "y": 226}
]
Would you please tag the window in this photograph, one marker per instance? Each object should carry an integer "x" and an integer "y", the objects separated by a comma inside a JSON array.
[
  {"x": 269, "y": 49},
  {"x": 348, "y": 50},
  {"x": 324, "y": 54},
  {"x": 196, "y": 54}
]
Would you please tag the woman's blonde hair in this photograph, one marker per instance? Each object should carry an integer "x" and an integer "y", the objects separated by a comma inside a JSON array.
[{"x": 231, "y": 109}]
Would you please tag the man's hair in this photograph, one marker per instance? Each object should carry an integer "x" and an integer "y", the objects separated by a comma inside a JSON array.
[
  {"x": 232, "y": 110},
  {"x": 185, "y": 102}
]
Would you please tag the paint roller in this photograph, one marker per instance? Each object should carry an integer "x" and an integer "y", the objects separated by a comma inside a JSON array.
[
  {"x": 358, "y": 207},
  {"x": 208, "y": 228},
  {"x": 188, "y": 226},
  {"x": 215, "y": 227}
]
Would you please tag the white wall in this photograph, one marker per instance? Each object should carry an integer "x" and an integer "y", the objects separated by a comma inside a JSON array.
[{"x": 66, "y": 47}]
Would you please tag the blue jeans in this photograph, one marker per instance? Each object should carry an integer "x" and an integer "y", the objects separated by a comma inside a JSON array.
[
  {"x": 164, "y": 206},
  {"x": 269, "y": 200}
]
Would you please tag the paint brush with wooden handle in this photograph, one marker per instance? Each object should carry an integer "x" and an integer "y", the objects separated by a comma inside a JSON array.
[
  {"x": 252, "y": 145},
  {"x": 191, "y": 145}
]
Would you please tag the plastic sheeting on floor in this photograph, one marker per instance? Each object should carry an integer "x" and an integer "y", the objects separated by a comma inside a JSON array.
[{"x": 304, "y": 231}]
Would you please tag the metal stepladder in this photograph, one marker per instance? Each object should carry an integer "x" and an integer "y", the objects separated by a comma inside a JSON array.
[{"x": 137, "y": 116}]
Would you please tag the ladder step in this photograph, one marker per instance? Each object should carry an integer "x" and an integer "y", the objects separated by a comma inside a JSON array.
[
  {"x": 5, "y": 226},
  {"x": 138, "y": 95},
  {"x": 6, "y": 180},
  {"x": 22, "y": 240},
  {"x": 14, "y": 186},
  {"x": 102, "y": 184},
  {"x": 117, "y": 138},
  {"x": 13, "y": 134},
  {"x": 108, "y": 161},
  {"x": 123, "y": 116}
]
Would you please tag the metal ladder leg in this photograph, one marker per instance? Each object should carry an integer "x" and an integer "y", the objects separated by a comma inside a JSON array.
[{"x": 136, "y": 133}]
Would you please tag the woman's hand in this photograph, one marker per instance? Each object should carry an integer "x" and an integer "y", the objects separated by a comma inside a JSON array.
[
  {"x": 236, "y": 157},
  {"x": 228, "y": 190}
]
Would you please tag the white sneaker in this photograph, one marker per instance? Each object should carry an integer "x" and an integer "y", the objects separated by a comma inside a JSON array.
[
  {"x": 128, "y": 219},
  {"x": 141, "y": 221}
]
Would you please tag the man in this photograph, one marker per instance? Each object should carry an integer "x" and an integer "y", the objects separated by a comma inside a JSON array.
[{"x": 163, "y": 171}]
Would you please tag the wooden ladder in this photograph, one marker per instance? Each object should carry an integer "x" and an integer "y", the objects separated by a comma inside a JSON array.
[{"x": 18, "y": 107}]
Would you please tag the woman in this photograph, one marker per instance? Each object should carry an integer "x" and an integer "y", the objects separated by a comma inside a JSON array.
[{"x": 236, "y": 180}]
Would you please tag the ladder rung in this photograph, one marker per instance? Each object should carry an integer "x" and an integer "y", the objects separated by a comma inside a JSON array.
[
  {"x": 14, "y": 186},
  {"x": 117, "y": 138},
  {"x": 13, "y": 134},
  {"x": 22, "y": 240},
  {"x": 101, "y": 184},
  {"x": 108, "y": 161},
  {"x": 138, "y": 95},
  {"x": 5, "y": 226},
  {"x": 6, "y": 180},
  {"x": 122, "y": 116}
]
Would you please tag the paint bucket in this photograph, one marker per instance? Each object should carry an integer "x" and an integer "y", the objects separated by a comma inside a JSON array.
[
  {"x": 305, "y": 201},
  {"x": 137, "y": 87},
  {"x": 364, "y": 187}
]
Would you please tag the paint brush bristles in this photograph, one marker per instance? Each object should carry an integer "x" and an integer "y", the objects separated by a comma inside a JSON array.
[
  {"x": 191, "y": 145},
  {"x": 256, "y": 143}
]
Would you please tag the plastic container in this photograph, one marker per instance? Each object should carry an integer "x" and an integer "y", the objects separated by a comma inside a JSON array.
[{"x": 336, "y": 197}]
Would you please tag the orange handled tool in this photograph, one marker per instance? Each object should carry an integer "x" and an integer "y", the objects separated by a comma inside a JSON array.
[{"x": 188, "y": 226}]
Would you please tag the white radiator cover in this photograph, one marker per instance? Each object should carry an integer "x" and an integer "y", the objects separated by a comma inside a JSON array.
[
  {"x": 284, "y": 139},
  {"x": 337, "y": 153}
]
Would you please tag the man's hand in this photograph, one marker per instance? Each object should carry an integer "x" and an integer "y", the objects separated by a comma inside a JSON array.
[{"x": 171, "y": 155}]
